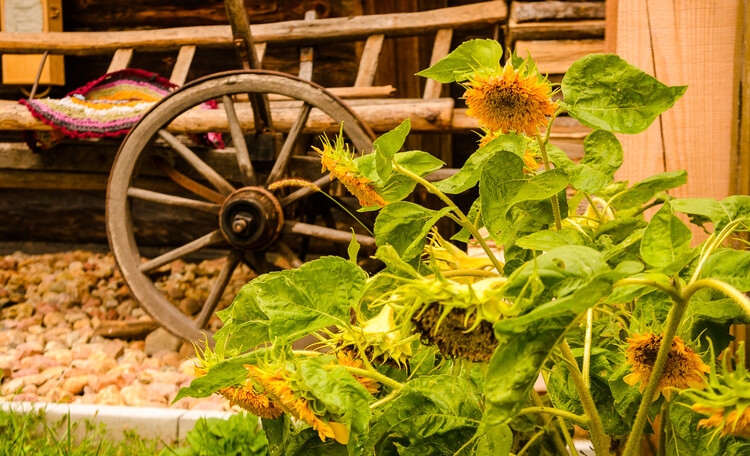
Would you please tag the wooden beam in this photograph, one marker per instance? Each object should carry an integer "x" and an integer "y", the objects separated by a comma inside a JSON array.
[
  {"x": 289, "y": 32},
  {"x": 440, "y": 49},
  {"x": 555, "y": 30},
  {"x": 368, "y": 64},
  {"x": 556, "y": 56},
  {"x": 555, "y": 10},
  {"x": 120, "y": 60},
  {"x": 182, "y": 65}
]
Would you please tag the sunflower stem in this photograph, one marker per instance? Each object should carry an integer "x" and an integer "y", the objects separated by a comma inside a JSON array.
[
  {"x": 587, "y": 348},
  {"x": 462, "y": 219},
  {"x": 598, "y": 438},
  {"x": 393, "y": 395},
  {"x": 592, "y": 203},
  {"x": 673, "y": 322},
  {"x": 547, "y": 421},
  {"x": 566, "y": 434},
  {"x": 663, "y": 423},
  {"x": 671, "y": 291},
  {"x": 466, "y": 273},
  {"x": 577, "y": 419},
  {"x": 384, "y": 379},
  {"x": 531, "y": 442},
  {"x": 736, "y": 295},
  {"x": 553, "y": 198}
]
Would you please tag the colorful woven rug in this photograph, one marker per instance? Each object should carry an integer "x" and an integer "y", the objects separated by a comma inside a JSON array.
[{"x": 108, "y": 106}]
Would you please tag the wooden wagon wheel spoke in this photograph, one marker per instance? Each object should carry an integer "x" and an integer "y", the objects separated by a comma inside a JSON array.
[
  {"x": 218, "y": 289},
  {"x": 330, "y": 234},
  {"x": 240, "y": 145},
  {"x": 291, "y": 139},
  {"x": 285, "y": 251},
  {"x": 212, "y": 238},
  {"x": 305, "y": 191},
  {"x": 162, "y": 198},
  {"x": 221, "y": 184}
]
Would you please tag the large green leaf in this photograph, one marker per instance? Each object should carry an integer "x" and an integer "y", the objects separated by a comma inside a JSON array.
[
  {"x": 603, "y": 156},
  {"x": 526, "y": 341},
  {"x": 473, "y": 56},
  {"x": 720, "y": 213},
  {"x": 468, "y": 176},
  {"x": 433, "y": 415},
  {"x": 550, "y": 239},
  {"x": 730, "y": 266},
  {"x": 397, "y": 186},
  {"x": 503, "y": 184},
  {"x": 645, "y": 190},
  {"x": 666, "y": 238},
  {"x": 404, "y": 226},
  {"x": 710, "y": 316},
  {"x": 292, "y": 303},
  {"x": 606, "y": 92},
  {"x": 390, "y": 143}
]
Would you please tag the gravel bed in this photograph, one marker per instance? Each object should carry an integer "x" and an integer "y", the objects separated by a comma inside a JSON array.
[{"x": 50, "y": 309}]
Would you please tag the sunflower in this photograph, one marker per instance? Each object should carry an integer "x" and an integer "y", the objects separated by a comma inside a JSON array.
[
  {"x": 338, "y": 160},
  {"x": 242, "y": 395},
  {"x": 736, "y": 423},
  {"x": 446, "y": 256},
  {"x": 279, "y": 386},
  {"x": 513, "y": 100},
  {"x": 684, "y": 368},
  {"x": 346, "y": 358},
  {"x": 379, "y": 337}
]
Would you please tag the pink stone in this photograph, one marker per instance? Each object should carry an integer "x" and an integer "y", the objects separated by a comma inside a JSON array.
[
  {"x": 29, "y": 348},
  {"x": 25, "y": 372},
  {"x": 109, "y": 396},
  {"x": 39, "y": 362},
  {"x": 134, "y": 395},
  {"x": 26, "y": 397},
  {"x": 62, "y": 356},
  {"x": 12, "y": 386},
  {"x": 74, "y": 385}
]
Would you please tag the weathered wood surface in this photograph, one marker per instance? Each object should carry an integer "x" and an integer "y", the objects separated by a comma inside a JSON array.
[
  {"x": 555, "y": 30},
  {"x": 381, "y": 115},
  {"x": 290, "y": 32},
  {"x": 556, "y": 56},
  {"x": 556, "y": 10},
  {"x": 125, "y": 329}
]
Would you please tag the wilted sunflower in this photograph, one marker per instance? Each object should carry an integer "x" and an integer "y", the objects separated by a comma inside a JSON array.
[
  {"x": 513, "y": 100},
  {"x": 379, "y": 337},
  {"x": 281, "y": 388},
  {"x": 346, "y": 358},
  {"x": 683, "y": 369},
  {"x": 726, "y": 399},
  {"x": 242, "y": 395},
  {"x": 445, "y": 256},
  {"x": 456, "y": 317},
  {"x": 338, "y": 160}
]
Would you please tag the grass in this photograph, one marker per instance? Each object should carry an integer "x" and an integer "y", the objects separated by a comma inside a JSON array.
[{"x": 29, "y": 434}]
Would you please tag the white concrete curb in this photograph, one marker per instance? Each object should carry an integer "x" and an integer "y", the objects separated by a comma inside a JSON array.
[{"x": 169, "y": 425}]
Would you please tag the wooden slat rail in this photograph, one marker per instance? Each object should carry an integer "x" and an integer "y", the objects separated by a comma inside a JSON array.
[{"x": 290, "y": 32}]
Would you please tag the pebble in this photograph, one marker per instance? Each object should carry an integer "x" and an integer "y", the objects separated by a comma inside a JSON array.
[{"x": 49, "y": 307}]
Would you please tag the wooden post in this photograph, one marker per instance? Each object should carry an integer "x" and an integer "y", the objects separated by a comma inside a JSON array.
[{"x": 689, "y": 42}]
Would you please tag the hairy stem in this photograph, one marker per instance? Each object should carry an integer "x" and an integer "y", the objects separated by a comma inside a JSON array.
[
  {"x": 578, "y": 419},
  {"x": 553, "y": 198},
  {"x": 671, "y": 291},
  {"x": 547, "y": 423},
  {"x": 467, "y": 273},
  {"x": 592, "y": 203},
  {"x": 531, "y": 443},
  {"x": 736, "y": 295},
  {"x": 384, "y": 379},
  {"x": 393, "y": 395},
  {"x": 587, "y": 348},
  {"x": 663, "y": 423},
  {"x": 461, "y": 217},
  {"x": 598, "y": 438},
  {"x": 673, "y": 322}
]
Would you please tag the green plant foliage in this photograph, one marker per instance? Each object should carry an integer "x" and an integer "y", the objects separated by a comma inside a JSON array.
[
  {"x": 606, "y": 92},
  {"x": 594, "y": 286},
  {"x": 471, "y": 57},
  {"x": 239, "y": 435}
]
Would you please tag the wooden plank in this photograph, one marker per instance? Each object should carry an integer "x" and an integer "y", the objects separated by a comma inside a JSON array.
[
  {"x": 289, "y": 32},
  {"x": 610, "y": 27},
  {"x": 440, "y": 49},
  {"x": 260, "y": 50},
  {"x": 556, "y": 10},
  {"x": 693, "y": 43},
  {"x": 382, "y": 115},
  {"x": 556, "y": 56},
  {"x": 306, "y": 53},
  {"x": 555, "y": 30},
  {"x": 182, "y": 65},
  {"x": 368, "y": 64},
  {"x": 120, "y": 60}
]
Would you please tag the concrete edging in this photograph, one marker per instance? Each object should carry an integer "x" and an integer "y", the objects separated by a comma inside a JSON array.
[{"x": 169, "y": 425}]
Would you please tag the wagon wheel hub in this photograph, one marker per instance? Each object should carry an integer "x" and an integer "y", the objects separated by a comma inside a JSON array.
[{"x": 251, "y": 218}]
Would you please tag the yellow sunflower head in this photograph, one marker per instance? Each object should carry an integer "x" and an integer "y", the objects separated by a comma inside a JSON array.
[
  {"x": 281, "y": 386},
  {"x": 347, "y": 358},
  {"x": 726, "y": 399},
  {"x": 379, "y": 337},
  {"x": 684, "y": 368},
  {"x": 515, "y": 99},
  {"x": 338, "y": 159},
  {"x": 446, "y": 257}
]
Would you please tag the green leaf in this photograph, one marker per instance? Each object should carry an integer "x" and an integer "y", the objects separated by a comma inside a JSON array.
[
  {"x": 629, "y": 293},
  {"x": 353, "y": 249},
  {"x": 405, "y": 226},
  {"x": 397, "y": 186},
  {"x": 526, "y": 341},
  {"x": 711, "y": 317},
  {"x": 690, "y": 440},
  {"x": 503, "y": 184},
  {"x": 603, "y": 156},
  {"x": 292, "y": 303},
  {"x": 720, "y": 213},
  {"x": 221, "y": 375},
  {"x": 644, "y": 191},
  {"x": 666, "y": 238},
  {"x": 730, "y": 266},
  {"x": 606, "y": 92},
  {"x": 475, "y": 216},
  {"x": 549, "y": 239},
  {"x": 432, "y": 415},
  {"x": 389, "y": 143},
  {"x": 468, "y": 176},
  {"x": 473, "y": 56}
]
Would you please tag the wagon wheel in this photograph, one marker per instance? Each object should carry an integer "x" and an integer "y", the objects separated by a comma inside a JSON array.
[{"x": 247, "y": 218}]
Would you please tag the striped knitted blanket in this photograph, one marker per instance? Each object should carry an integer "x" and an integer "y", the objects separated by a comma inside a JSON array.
[{"x": 108, "y": 106}]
